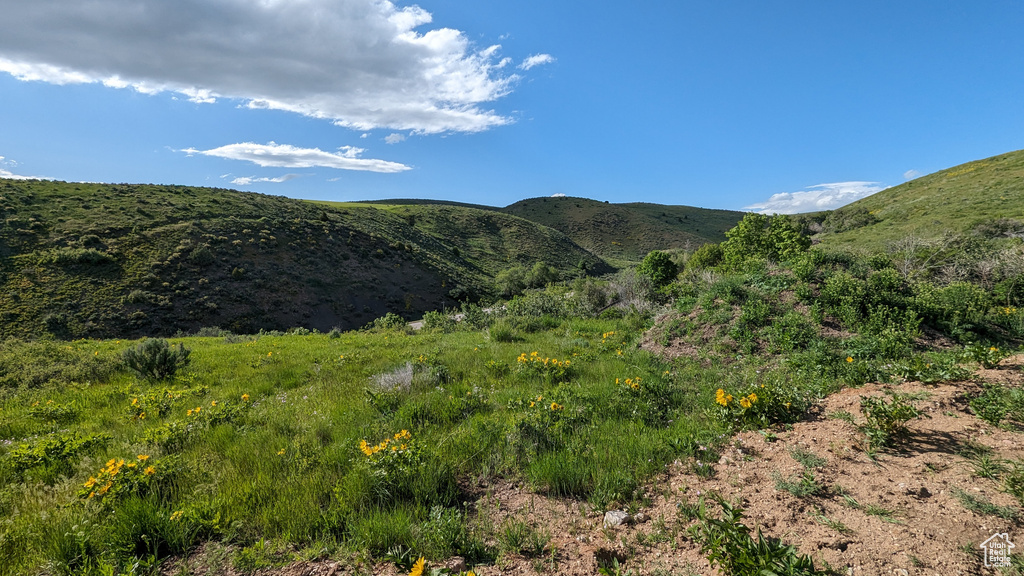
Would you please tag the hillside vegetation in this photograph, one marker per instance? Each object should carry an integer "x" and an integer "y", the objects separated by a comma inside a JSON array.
[
  {"x": 120, "y": 260},
  {"x": 627, "y": 232},
  {"x": 979, "y": 197}
]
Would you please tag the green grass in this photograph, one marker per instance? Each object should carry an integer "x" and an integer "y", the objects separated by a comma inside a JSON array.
[
  {"x": 265, "y": 438},
  {"x": 955, "y": 200}
]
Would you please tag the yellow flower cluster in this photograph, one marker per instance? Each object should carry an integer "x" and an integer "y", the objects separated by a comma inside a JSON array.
[
  {"x": 535, "y": 359},
  {"x": 633, "y": 383},
  {"x": 722, "y": 398},
  {"x": 606, "y": 336},
  {"x": 1009, "y": 310},
  {"x": 195, "y": 411},
  {"x": 395, "y": 443},
  {"x": 100, "y": 484},
  {"x": 726, "y": 399}
]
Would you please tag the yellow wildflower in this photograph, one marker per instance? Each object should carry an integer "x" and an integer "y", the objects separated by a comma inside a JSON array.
[
  {"x": 753, "y": 397},
  {"x": 417, "y": 568},
  {"x": 745, "y": 402},
  {"x": 177, "y": 515},
  {"x": 245, "y": 397},
  {"x": 213, "y": 403},
  {"x": 149, "y": 471},
  {"x": 143, "y": 457},
  {"x": 849, "y": 358},
  {"x": 280, "y": 452}
]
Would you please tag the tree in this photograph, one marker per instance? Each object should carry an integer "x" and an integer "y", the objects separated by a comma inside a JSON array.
[{"x": 761, "y": 236}]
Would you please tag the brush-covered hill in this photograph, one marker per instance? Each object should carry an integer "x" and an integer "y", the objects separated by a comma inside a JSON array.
[
  {"x": 627, "y": 232},
  {"x": 975, "y": 196},
  {"x": 99, "y": 260}
]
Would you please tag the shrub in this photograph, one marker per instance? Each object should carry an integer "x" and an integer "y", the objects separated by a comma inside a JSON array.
[
  {"x": 659, "y": 267},
  {"x": 886, "y": 420},
  {"x": 155, "y": 359},
  {"x": 389, "y": 321},
  {"x": 439, "y": 322},
  {"x": 729, "y": 546},
  {"x": 707, "y": 256},
  {"x": 760, "y": 236}
]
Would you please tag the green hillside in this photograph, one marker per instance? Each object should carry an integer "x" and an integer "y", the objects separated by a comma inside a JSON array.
[
  {"x": 959, "y": 199},
  {"x": 627, "y": 232},
  {"x": 113, "y": 259}
]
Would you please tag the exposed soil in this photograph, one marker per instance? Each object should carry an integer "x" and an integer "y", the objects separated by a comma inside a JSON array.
[{"x": 927, "y": 530}]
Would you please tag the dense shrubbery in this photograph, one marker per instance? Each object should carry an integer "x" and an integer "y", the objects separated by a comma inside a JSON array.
[{"x": 155, "y": 358}]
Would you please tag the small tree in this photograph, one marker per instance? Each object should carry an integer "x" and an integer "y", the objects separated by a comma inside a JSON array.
[
  {"x": 659, "y": 267},
  {"x": 541, "y": 275},
  {"x": 155, "y": 359},
  {"x": 761, "y": 236},
  {"x": 511, "y": 281}
]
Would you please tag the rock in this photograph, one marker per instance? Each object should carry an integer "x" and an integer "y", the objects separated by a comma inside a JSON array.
[
  {"x": 640, "y": 518},
  {"x": 455, "y": 564},
  {"x": 614, "y": 518},
  {"x": 923, "y": 493}
]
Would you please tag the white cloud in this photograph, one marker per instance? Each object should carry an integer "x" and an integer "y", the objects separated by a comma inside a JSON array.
[
  {"x": 286, "y": 156},
  {"x": 816, "y": 198},
  {"x": 363, "y": 64},
  {"x": 911, "y": 174},
  {"x": 5, "y": 173},
  {"x": 558, "y": 195},
  {"x": 246, "y": 180},
  {"x": 536, "y": 60},
  {"x": 394, "y": 138}
]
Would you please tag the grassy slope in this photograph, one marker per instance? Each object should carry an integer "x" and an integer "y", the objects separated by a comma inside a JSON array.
[
  {"x": 176, "y": 257},
  {"x": 627, "y": 232},
  {"x": 954, "y": 199}
]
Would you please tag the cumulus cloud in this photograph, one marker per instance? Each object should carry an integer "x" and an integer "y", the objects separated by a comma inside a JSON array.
[
  {"x": 536, "y": 60},
  {"x": 558, "y": 195},
  {"x": 816, "y": 198},
  {"x": 394, "y": 138},
  {"x": 911, "y": 174},
  {"x": 246, "y": 180},
  {"x": 363, "y": 64},
  {"x": 286, "y": 156}
]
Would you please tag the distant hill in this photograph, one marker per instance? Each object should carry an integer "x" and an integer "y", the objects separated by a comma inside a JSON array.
[
  {"x": 958, "y": 199},
  {"x": 627, "y": 232},
  {"x": 103, "y": 260}
]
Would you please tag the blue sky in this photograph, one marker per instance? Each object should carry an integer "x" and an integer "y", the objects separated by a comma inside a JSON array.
[{"x": 784, "y": 106}]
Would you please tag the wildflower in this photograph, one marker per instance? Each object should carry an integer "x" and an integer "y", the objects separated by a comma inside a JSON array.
[
  {"x": 143, "y": 457},
  {"x": 992, "y": 349},
  {"x": 90, "y": 483},
  {"x": 245, "y": 397},
  {"x": 213, "y": 403},
  {"x": 135, "y": 401},
  {"x": 556, "y": 407},
  {"x": 849, "y": 358},
  {"x": 753, "y": 397},
  {"x": 269, "y": 353},
  {"x": 745, "y": 402},
  {"x": 189, "y": 413},
  {"x": 142, "y": 416},
  {"x": 280, "y": 452},
  {"x": 365, "y": 448},
  {"x": 176, "y": 515},
  {"x": 417, "y": 568},
  {"x": 149, "y": 471}
]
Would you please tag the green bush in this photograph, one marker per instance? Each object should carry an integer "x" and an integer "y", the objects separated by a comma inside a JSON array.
[
  {"x": 155, "y": 358},
  {"x": 659, "y": 267},
  {"x": 707, "y": 256}
]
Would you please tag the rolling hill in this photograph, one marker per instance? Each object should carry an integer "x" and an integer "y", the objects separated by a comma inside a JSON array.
[
  {"x": 958, "y": 199},
  {"x": 124, "y": 260},
  {"x": 627, "y": 232}
]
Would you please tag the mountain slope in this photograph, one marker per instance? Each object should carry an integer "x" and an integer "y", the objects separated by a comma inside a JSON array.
[
  {"x": 957, "y": 199},
  {"x": 121, "y": 260},
  {"x": 627, "y": 231}
]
